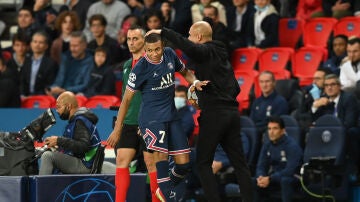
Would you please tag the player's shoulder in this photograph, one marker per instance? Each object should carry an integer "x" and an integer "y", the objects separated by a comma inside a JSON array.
[{"x": 169, "y": 51}]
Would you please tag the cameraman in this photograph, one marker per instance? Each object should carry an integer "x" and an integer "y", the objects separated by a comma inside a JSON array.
[{"x": 78, "y": 145}]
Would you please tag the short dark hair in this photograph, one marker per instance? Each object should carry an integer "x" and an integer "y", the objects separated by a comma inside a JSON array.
[
  {"x": 43, "y": 34},
  {"x": 28, "y": 9},
  {"x": 341, "y": 36},
  {"x": 181, "y": 88},
  {"x": 20, "y": 37},
  {"x": 79, "y": 34},
  {"x": 278, "y": 120},
  {"x": 101, "y": 49},
  {"x": 353, "y": 41},
  {"x": 269, "y": 73},
  {"x": 216, "y": 11},
  {"x": 333, "y": 76},
  {"x": 326, "y": 70},
  {"x": 152, "y": 38},
  {"x": 136, "y": 26},
  {"x": 98, "y": 17}
]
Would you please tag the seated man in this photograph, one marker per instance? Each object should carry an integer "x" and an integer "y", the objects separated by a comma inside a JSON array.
[
  {"x": 279, "y": 160},
  {"x": 75, "y": 67},
  {"x": 77, "y": 147}
]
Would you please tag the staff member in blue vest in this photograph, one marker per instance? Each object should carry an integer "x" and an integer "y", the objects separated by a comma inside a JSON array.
[{"x": 77, "y": 147}]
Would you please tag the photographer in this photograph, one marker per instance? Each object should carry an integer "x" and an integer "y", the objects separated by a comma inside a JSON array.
[{"x": 77, "y": 147}]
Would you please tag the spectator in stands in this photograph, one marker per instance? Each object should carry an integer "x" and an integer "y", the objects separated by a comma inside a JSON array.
[
  {"x": 98, "y": 25},
  {"x": 9, "y": 87},
  {"x": 153, "y": 20},
  {"x": 286, "y": 9},
  {"x": 239, "y": 23},
  {"x": 185, "y": 111},
  {"x": 356, "y": 5},
  {"x": 20, "y": 46},
  {"x": 168, "y": 13},
  {"x": 27, "y": 24},
  {"x": 65, "y": 24},
  {"x": 80, "y": 7},
  {"x": 219, "y": 29},
  {"x": 279, "y": 160},
  {"x": 77, "y": 147},
  {"x": 268, "y": 104},
  {"x": 344, "y": 106},
  {"x": 45, "y": 14},
  {"x": 75, "y": 67},
  {"x": 182, "y": 19},
  {"x": 337, "y": 102},
  {"x": 102, "y": 80},
  {"x": 39, "y": 70},
  {"x": 349, "y": 71},
  {"x": 140, "y": 8},
  {"x": 198, "y": 8},
  {"x": 339, "y": 44},
  {"x": 307, "y": 9},
  {"x": 336, "y": 8},
  {"x": 265, "y": 25},
  {"x": 114, "y": 12},
  {"x": 311, "y": 93}
]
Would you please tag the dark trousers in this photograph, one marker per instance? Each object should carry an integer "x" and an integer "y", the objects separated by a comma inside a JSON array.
[
  {"x": 221, "y": 126},
  {"x": 286, "y": 187}
]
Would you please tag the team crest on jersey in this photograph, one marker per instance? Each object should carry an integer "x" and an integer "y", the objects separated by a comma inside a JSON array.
[
  {"x": 132, "y": 77},
  {"x": 170, "y": 65}
]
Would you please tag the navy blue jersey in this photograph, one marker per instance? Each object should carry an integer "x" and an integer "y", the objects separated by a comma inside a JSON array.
[{"x": 156, "y": 81}]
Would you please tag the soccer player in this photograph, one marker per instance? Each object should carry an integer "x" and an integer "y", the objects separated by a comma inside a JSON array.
[
  {"x": 153, "y": 75},
  {"x": 130, "y": 142}
]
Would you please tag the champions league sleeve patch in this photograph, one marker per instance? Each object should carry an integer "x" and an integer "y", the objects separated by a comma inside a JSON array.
[{"x": 132, "y": 79}]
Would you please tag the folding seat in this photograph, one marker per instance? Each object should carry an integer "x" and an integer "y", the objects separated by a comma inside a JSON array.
[
  {"x": 290, "y": 31},
  {"x": 249, "y": 129},
  {"x": 306, "y": 61},
  {"x": 349, "y": 26},
  {"x": 324, "y": 155},
  {"x": 38, "y": 101},
  {"x": 276, "y": 61},
  {"x": 317, "y": 31},
  {"x": 246, "y": 81},
  {"x": 102, "y": 101},
  {"x": 290, "y": 90},
  {"x": 245, "y": 59}
]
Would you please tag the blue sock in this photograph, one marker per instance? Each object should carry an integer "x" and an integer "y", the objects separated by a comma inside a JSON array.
[
  {"x": 179, "y": 172},
  {"x": 163, "y": 180}
]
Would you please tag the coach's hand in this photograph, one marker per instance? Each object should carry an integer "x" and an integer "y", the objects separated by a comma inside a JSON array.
[
  {"x": 113, "y": 138},
  {"x": 156, "y": 31},
  {"x": 51, "y": 141}
]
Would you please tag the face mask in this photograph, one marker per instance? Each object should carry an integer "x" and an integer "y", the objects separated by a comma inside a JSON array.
[
  {"x": 180, "y": 102},
  {"x": 260, "y": 9},
  {"x": 65, "y": 115}
]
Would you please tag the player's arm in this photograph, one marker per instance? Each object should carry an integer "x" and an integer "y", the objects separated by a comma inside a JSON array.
[
  {"x": 191, "y": 79},
  {"x": 125, "y": 103}
]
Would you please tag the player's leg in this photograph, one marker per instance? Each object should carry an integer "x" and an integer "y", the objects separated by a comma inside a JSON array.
[
  {"x": 151, "y": 167},
  {"x": 232, "y": 145},
  {"x": 125, "y": 152},
  {"x": 179, "y": 149},
  {"x": 156, "y": 139}
]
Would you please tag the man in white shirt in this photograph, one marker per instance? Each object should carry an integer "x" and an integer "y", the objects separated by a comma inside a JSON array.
[{"x": 350, "y": 70}]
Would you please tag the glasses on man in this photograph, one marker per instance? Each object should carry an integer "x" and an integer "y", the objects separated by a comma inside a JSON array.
[{"x": 326, "y": 85}]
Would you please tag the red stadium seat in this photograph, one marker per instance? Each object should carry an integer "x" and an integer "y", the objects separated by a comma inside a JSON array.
[
  {"x": 102, "y": 101},
  {"x": 245, "y": 59},
  {"x": 180, "y": 80},
  {"x": 290, "y": 31},
  {"x": 317, "y": 31},
  {"x": 306, "y": 62},
  {"x": 349, "y": 26},
  {"x": 81, "y": 100},
  {"x": 6, "y": 55},
  {"x": 38, "y": 101},
  {"x": 246, "y": 81},
  {"x": 276, "y": 60}
]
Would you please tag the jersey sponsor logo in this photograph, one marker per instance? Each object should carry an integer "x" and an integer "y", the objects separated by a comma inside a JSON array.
[{"x": 166, "y": 81}]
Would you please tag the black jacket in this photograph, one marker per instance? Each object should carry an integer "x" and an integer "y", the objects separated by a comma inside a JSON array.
[
  {"x": 80, "y": 143},
  {"x": 211, "y": 63},
  {"x": 45, "y": 76}
]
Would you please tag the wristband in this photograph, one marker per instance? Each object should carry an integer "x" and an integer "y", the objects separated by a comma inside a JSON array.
[{"x": 194, "y": 83}]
